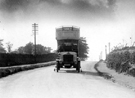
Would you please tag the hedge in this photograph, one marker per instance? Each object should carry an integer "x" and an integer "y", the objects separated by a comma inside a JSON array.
[
  {"x": 122, "y": 61},
  {"x": 19, "y": 59}
]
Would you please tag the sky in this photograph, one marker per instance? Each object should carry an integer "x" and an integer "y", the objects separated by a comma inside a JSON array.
[{"x": 100, "y": 21}]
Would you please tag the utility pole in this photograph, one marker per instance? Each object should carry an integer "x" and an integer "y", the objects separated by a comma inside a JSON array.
[
  {"x": 123, "y": 43},
  {"x": 105, "y": 52},
  {"x": 131, "y": 40},
  {"x": 34, "y": 30},
  {"x": 109, "y": 46},
  {"x": 100, "y": 56},
  {"x": 133, "y": 44}
]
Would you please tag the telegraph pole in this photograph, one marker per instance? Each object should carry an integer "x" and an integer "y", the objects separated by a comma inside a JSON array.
[
  {"x": 109, "y": 46},
  {"x": 105, "y": 52},
  {"x": 35, "y": 29},
  {"x": 131, "y": 40},
  {"x": 100, "y": 56},
  {"x": 123, "y": 43}
]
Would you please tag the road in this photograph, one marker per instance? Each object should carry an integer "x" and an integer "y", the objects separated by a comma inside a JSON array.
[{"x": 45, "y": 83}]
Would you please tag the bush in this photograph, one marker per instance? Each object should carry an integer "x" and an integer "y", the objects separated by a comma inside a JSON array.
[{"x": 121, "y": 60}]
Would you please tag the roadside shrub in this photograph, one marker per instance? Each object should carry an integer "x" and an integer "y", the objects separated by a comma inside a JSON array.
[{"x": 121, "y": 60}]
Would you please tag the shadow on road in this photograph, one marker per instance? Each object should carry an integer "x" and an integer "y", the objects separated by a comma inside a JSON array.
[
  {"x": 68, "y": 71},
  {"x": 83, "y": 72},
  {"x": 71, "y": 71},
  {"x": 90, "y": 73}
]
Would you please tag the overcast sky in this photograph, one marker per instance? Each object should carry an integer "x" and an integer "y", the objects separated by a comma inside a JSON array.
[{"x": 100, "y": 21}]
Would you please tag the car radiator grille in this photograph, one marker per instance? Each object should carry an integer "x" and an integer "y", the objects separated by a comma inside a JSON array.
[{"x": 68, "y": 58}]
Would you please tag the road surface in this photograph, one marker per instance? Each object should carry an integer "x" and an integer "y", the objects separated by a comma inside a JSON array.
[{"x": 45, "y": 83}]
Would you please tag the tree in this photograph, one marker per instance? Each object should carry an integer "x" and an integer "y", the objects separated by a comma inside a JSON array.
[
  {"x": 28, "y": 49},
  {"x": 42, "y": 49},
  {"x": 83, "y": 48},
  {"x": 2, "y": 50},
  {"x": 48, "y": 49},
  {"x": 15, "y": 51},
  {"x": 54, "y": 51},
  {"x": 9, "y": 46},
  {"x": 20, "y": 50}
]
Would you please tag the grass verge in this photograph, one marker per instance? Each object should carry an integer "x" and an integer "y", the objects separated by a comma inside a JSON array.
[
  {"x": 5, "y": 71},
  {"x": 120, "y": 78}
]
